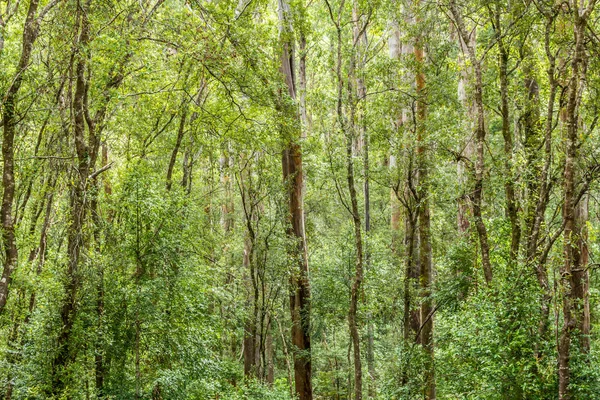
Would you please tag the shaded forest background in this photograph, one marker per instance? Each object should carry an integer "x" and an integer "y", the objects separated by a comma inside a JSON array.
[{"x": 311, "y": 199}]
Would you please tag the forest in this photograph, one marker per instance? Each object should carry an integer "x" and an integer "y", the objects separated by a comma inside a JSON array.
[{"x": 300, "y": 199}]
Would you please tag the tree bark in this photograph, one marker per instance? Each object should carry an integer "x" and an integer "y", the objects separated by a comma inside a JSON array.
[
  {"x": 11, "y": 255},
  {"x": 540, "y": 190},
  {"x": 77, "y": 204},
  {"x": 512, "y": 207},
  {"x": 463, "y": 214},
  {"x": 425, "y": 252},
  {"x": 573, "y": 272},
  {"x": 294, "y": 181},
  {"x": 477, "y": 194}
]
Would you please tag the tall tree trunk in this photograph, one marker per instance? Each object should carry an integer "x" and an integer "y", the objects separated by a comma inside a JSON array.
[
  {"x": 425, "y": 252},
  {"x": 30, "y": 33},
  {"x": 87, "y": 149},
  {"x": 573, "y": 272},
  {"x": 78, "y": 207},
  {"x": 540, "y": 193},
  {"x": 251, "y": 332},
  {"x": 466, "y": 148},
  {"x": 359, "y": 134},
  {"x": 477, "y": 195},
  {"x": 294, "y": 181},
  {"x": 372, "y": 388},
  {"x": 403, "y": 194},
  {"x": 358, "y": 276},
  {"x": 99, "y": 358},
  {"x": 512, "y": 207}
]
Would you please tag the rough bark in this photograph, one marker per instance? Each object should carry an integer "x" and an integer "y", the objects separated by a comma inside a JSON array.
[{"x": 30, "y": 33}]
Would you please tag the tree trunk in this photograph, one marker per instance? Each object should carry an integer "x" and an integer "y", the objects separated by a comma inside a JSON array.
[
  {"x": 358, "y": 276},
  {"x": 180, "y": 133},
  {"x": 250, "y": 338},
  {"x": 573, "y": 272},
  {"x": 539, "y": 193},
  {"x": 30, "y": 33},
  {"x": 463, "y": 214},
  {"x": 425, "y": 252},
  {"x": 294, "y": 181},
  {"x": 512, "y": 207},
  {"x": 477, "y": 194},
  {"x": 78, "y": 208},
  {"x": 87, "y": 149},
  {"x": 302, "y": 84}
]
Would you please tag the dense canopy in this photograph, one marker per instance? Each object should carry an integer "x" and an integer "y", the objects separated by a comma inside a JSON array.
[{"x": 300, "y": 199}]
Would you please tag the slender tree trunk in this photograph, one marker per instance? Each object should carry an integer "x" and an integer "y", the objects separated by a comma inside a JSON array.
[
  {"x": 36, "y": 257},
  {"x": 372, "y": 390},
  {"x": 358, "y": 276},
  {"x": 30, "y": 33},
  {"x": 573, "y": 273},
  {"x": 466, "y": 150},
  {"x": 250, "y": 353},
  {"x": 302, "y": 83},
  {"x": 539, "y": 201},
  {"x": 87, "y": 148},
  {"x": 477, "y": 195},
  {"x": 99, "y": 358},
  {"x": 404, "y": 194},
  {"x": 512, "y": 207},
  {"x": 270, "y": 352},
  {"x": 180, "y": 134},
  {"x": 425, "y": 251},
  {"x": 286, "y": 353},
  {"x": 78, "y": 208}
]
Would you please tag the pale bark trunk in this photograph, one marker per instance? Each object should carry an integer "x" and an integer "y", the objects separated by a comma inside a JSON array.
[
  {"x": 477, "y": 195},
  {"x": 463, "y": 214},
  {"x": 294, "y": 181}
]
